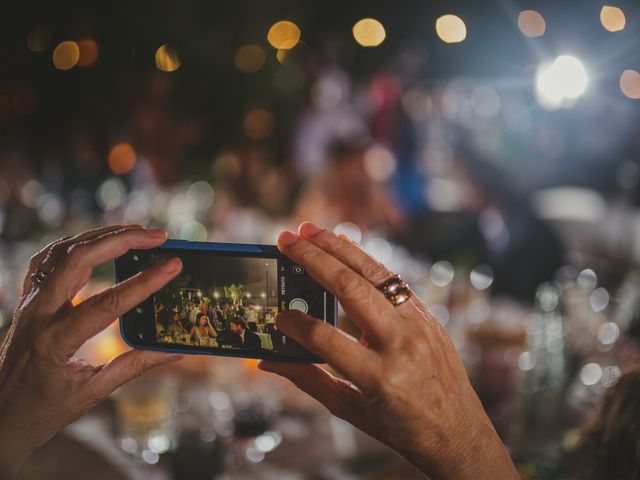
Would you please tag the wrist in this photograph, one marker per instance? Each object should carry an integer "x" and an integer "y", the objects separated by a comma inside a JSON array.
[{"x": 467, "y": 451}]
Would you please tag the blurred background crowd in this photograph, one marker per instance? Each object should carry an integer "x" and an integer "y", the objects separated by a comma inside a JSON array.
[{"x": 486, "y": 151}]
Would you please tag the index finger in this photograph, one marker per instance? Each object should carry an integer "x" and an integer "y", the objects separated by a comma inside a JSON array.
[
  {"x": 364, "y": 303},
  {"x": 341, "y": 351},
  {"x": 74, "y": 270},
  {"x": 97, "y": 312}
]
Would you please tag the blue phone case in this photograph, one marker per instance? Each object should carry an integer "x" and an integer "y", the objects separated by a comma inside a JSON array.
[{"x": 240, "y": 248}]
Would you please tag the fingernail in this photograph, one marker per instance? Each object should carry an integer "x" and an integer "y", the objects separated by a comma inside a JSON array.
[
  {"x": 309, "y": 229},
  {"x": 171, "y": 266},
  {"x": 288, "y": 238},
  {"x": 157, "y": 233}
]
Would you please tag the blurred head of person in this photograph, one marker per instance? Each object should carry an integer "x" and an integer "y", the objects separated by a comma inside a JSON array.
[
  {"x": 237, "y": 325},
  {"x": 346, "y": 170},
  {"x": 202, "y": 320},
  {"x": 610, "y": 444}
]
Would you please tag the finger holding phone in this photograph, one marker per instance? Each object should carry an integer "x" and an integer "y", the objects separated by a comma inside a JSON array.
[
  {"x": 404, "y": 382},
  {"x": 42, "y": 386}
]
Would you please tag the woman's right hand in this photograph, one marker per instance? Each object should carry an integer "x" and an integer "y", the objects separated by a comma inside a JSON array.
[
  {"x": 403, "y": 381},
  {"x": 42, "y": 386}
]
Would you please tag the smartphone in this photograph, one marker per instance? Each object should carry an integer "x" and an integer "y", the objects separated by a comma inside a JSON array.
[{"x": 224, "y": 302}]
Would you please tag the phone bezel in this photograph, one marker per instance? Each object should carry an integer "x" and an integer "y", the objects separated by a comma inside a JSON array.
[{"x": 250, "y": 250}]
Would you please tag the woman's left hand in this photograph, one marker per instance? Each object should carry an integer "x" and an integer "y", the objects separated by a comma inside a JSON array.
[
  {"x": 42, "y": 387},
  {"x": 403, "y": 383}
]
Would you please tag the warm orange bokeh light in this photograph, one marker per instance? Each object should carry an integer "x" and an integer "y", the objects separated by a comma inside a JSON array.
[
  {"x": 122, "y": 158},
  {"x": 451, "y": 29},
  {"x": 284, "y": 35},
  {"x": 66, "y": 55},
  {"x": 167, "y": 60},
  {"x": 612, "y": 18},
  {"x": 369, "y": 32},
  {"x": 88, "y": 52}
]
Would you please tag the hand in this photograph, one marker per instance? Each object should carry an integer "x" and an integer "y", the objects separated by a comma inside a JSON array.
[
  {"x": 404, "y": 383},
  {"x": 42, "y": 387}
]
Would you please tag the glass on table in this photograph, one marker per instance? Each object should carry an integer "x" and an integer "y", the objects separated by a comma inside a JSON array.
[{"x": 146, "y": 415}]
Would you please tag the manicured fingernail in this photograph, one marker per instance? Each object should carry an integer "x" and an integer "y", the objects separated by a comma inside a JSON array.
[
  {"x": 157, "y": 233},
  {"x": 287, "y": 238},
  {"x": 308, "y": 229},
  {"x": 172, "y": 266},
  {"x": 174, "y": 357}
]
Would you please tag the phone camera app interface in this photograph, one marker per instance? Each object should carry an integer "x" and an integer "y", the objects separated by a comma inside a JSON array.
[{"x": 225, "y": 302}]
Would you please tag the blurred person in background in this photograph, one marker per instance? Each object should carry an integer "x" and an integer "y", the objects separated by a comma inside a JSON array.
[
  {"x": 610, "y": 443},
  {"x": 347, "y": 194}
]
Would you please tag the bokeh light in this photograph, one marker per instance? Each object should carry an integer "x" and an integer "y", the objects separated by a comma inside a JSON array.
[
  {"x": 531, "y": 23},
  {"x": 284, "y": 35},
  {"x": 481, "y": 277},
  {"x": 66, "y": 55},
  {"x": 111, "y": 194},
  {"x": 249, "y": 58},
  {"x": 122, "y": 158},
  {"x": 630, "y": 84},
  {"x": 561, "y": 82},
  {"x": 258, "y": 123},
  {"x": 88, "y": 52},
  {"x": 369, "y": 32},
  {"x": 349, "y": 229},
  {"x": 39, "y": 39},
  {"x": 612, "y": 18},
  {"x": 167, "y": 59},
  {"x": 281, "y": 56},
  {"x": 451, "y": 29},
  {"x": 608, "y": 333},
  {"x": 379, "y": 163},
  {"x": 441, "y": 273},
  {"x": 590, "y": 374}
]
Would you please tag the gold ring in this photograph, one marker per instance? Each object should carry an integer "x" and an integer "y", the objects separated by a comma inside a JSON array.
[{"x": 396, "y": 290}]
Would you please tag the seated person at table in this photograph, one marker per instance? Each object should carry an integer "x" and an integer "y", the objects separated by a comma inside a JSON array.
[
  {"x": 203, "y": 332},
  {"x": 245, "y": 338},
  {"x": 175, "y": 328}
]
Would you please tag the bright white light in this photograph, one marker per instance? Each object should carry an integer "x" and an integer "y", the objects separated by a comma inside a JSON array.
[
  {"x": 591, "y": 374},
  {"x": 561, "y": 82}
]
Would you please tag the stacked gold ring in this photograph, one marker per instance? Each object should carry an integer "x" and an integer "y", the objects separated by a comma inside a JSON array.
[{"x": 396, "y": 290}]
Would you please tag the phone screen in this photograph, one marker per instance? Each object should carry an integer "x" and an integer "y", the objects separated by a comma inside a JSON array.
[{"x": 223, "y": 303}]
